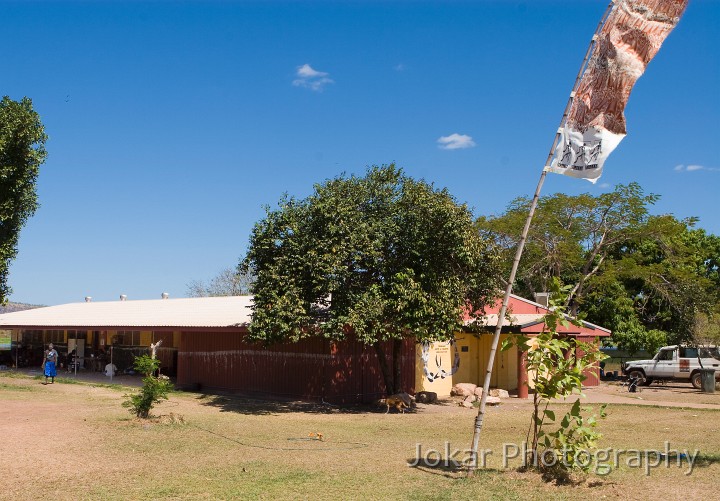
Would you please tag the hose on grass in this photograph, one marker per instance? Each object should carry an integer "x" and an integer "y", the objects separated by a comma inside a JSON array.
[{"x": 343, "y": 446}]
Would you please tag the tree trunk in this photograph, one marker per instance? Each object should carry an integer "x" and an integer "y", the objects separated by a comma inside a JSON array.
[
  {"x": 384, "y": 368},
  {"x": 397, "y": 365}
]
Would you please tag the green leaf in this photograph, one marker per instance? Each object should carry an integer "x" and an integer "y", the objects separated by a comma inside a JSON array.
[
  {"x": 603, "y": 412},
  {"x": 575, "y": 409},
  {"x": 507, "y": 344}
]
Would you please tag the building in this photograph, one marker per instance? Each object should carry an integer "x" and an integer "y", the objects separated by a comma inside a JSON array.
[
  {"x": 205, "y": 346},
  {"x": 464, "y": 360}
]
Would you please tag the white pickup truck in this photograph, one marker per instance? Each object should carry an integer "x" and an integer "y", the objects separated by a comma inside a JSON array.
[{"x": 676, "y": 363}]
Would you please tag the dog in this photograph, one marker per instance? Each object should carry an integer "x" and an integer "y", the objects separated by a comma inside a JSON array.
[{"x": 400, "y": 401}]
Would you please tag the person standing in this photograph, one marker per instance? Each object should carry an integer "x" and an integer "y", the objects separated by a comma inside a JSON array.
[{"x": 50, "y": 363}]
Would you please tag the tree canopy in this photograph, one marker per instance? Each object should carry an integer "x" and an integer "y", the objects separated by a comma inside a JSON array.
[
  {"x": 381, "y": 257},
  {"x": 644, "y": 276},
  {"x": 22, "y": 151}
]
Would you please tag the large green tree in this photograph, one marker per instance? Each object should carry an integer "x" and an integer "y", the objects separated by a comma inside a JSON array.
[
  {"x": 645, "y": 277},
  {"x": 382, "y": 257},
  {"x": 671, "y": 276},
  {"x": 22, "y": 151},
  {"x": 570, "y": 237}
]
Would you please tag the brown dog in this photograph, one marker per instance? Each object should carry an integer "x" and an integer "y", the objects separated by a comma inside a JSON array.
[{"x": 400, "y": 401}]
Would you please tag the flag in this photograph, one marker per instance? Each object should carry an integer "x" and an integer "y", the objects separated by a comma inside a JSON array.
[{"x": 630, "y": 37}]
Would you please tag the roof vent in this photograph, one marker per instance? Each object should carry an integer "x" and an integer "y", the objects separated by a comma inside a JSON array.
[
  {"x": 165, "y": 295},
  {"x": 542, "y": 298},
  {"x": 123, "y": 297},
  {"x": 88, "y": 299}
]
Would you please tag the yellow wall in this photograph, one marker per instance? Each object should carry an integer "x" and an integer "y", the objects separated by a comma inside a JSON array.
[
  {"x": 473, "y": 364},
  {"x": 504, "y": 368},
  {"x": 468, "y": 372},
  {"x": 440, "y": 358}
]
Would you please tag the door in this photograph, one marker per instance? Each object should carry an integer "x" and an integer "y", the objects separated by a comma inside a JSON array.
[
  {"x": 687, "y": 361},
  {"x": 665, "y": 363}
]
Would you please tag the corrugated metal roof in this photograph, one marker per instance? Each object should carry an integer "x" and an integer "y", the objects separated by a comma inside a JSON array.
[
  {"x": 229, "y": 311},
  {"x": 517, "y": 319}
]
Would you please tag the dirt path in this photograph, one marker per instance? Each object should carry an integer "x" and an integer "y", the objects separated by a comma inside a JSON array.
[
  {"x": 670, "y": 395},
  {"x": 676, "y": 395}
]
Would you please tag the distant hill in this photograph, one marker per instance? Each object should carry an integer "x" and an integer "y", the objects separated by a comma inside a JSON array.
[{"x": 11, "y": 307}]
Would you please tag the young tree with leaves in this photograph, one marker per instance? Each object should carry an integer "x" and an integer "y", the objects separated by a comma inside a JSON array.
[
  {"x": 22, "y": 151},
  {"x": 558, "y": 445},
  {"x": 381, "y": 257}
]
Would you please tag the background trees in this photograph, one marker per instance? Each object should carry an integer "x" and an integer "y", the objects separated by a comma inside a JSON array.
[
  {"x": 22, "y": 151},
  {"x": 645, "y": 277},
  {"x": 228, "y": 282},
  {"x": 381, "y": 257}
]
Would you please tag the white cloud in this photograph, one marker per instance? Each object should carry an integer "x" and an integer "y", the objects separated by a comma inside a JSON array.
[
  {"x": 604, "y": 186},
  {"x": 693, "y": 168},
  {"x": 312, "y": 79},
  {"x": 399, "y": 67},
  {"x": 455, "y": 142}
]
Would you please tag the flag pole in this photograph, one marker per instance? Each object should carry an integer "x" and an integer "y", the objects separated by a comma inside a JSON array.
[{"x": 521, "y": 245}]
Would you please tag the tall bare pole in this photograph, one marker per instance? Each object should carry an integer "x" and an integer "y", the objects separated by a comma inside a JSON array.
[{"x": 521, "y": 245}]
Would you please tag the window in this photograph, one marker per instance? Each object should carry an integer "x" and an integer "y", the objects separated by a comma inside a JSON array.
[
  {"x": 710, "y": 352},
  {"x": 688, "y": 352},
  {"x": 55, "y": 336},
  {"x": 77, "y": 335},
  {"x": 666, "y": 355},
  {"x": 166, "y": 337},
  {"x": 127, "y": 338},
  {"x": 31, "y": 337}
]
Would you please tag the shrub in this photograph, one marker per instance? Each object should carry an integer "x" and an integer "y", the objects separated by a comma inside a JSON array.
[{"x": 154, "y": 388}]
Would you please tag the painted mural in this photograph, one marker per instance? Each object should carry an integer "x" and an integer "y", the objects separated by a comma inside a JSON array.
[{"x": 436, "y": 370}]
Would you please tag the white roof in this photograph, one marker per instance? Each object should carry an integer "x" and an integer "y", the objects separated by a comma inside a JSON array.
[
  {"x": 229, "y": 311},
  {"x": 226, "y": 311},
  {"x": 515, "y": 319}
]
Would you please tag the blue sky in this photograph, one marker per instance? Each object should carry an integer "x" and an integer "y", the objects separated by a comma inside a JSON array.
[{"x": 171, "y": 124}]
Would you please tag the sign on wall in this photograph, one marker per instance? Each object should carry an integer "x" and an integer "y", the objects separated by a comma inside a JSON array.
[{"x": 5, "y": 340}]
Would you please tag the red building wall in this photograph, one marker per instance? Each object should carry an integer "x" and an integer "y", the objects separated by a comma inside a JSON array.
[
  {"x": 312, "y": 369},
  {"x": 593, "y": 374}
]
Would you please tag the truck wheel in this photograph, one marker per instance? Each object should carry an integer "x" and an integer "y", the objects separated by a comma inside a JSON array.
[
  {"x": 648, "y": 381},
  {"x": 637, "y": 374},
  {"x": 696, "y": 380}
]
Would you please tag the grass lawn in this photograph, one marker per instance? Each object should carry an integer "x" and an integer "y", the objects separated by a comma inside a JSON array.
[{"x": 75, "y": 441}]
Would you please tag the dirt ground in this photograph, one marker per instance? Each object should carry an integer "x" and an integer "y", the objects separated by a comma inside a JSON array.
[{"x": 666, "y": 395}]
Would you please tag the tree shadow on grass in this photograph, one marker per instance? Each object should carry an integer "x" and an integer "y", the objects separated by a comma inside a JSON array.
[
  {"x": 452, "y": 469},
  {"x": 256, "y": 406}
]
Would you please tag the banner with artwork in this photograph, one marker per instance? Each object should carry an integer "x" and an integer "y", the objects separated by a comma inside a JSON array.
[{"x": 595, "y": 125}]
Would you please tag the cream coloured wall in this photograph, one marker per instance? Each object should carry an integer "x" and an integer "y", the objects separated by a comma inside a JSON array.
[
  {"x": 433, "y": 367},
  {"x": 437, "y": 370}
]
